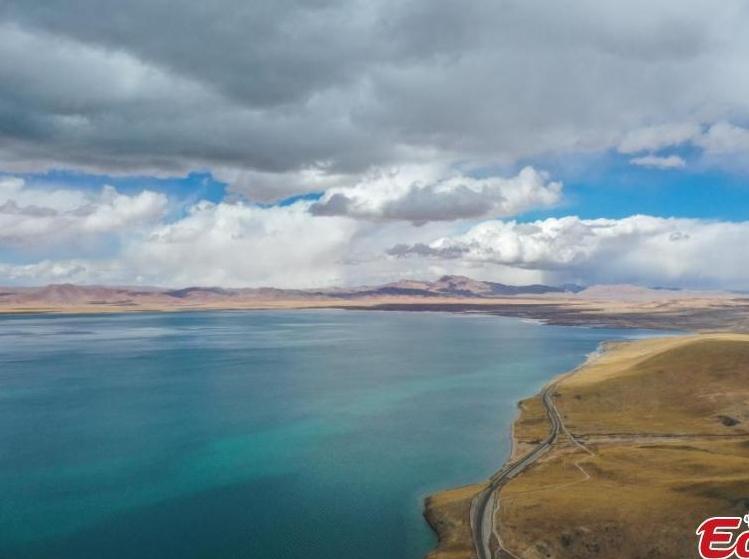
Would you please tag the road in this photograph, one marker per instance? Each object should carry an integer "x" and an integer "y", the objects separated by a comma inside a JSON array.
[{"x": 485, "y": 503}]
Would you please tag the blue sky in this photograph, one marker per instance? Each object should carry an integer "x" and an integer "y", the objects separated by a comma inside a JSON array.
[{"x": 609, "y": 186}]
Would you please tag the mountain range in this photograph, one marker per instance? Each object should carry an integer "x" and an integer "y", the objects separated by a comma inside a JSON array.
[
  {"x": 446, "y": 286},
  {"x": 453, "y": 290}
]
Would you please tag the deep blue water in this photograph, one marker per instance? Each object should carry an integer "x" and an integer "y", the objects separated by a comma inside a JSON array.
[{"x": 263, "y": 435}]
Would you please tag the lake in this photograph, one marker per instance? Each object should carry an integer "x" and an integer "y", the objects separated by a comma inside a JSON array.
[{"x": 263, "y": 435}]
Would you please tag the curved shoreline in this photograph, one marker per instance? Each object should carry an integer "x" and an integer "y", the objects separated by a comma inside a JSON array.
[
  {"x": 638, "y": 423},
  {"x": 484, "y": 497}
]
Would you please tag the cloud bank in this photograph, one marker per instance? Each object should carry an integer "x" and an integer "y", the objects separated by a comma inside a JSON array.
[
  {"x": 268, "y": 95},
  {"x": 654, "y": 250},
  {"x": 241, "y": 244},
  {"x": 285, "y": 98},
  {"x": 34, "y": 218},
  {"x": 99, "y": 235}
]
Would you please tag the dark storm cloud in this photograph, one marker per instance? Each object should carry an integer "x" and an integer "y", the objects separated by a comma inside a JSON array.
[{"x": 254, "y": 89}]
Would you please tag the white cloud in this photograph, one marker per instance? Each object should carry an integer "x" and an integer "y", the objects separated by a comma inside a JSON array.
[
  {"x": 35, "y": 217},
  {"x": 240, "y": 245},
  {"x": 654, "y": 138},
  {"x": 62, "y": 234},
  {"x": 658, "y": 162},
  {"x": 47, "y": 271},
  {"x": 421, "y": 194},
  {"x": 722, "y": 142},
  {"x": 634, "y": 249},
  {"x": 233, "y": 244},
  {"x": 725, "y": 138}
]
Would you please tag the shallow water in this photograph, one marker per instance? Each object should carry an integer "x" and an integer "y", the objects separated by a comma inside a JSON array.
[{"x": 263, "y": 435}]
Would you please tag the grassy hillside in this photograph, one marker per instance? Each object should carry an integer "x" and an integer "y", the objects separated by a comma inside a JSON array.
[{"x": 661, "y": 432}]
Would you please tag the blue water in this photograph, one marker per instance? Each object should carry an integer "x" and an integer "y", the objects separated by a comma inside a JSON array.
[{"x": 263, "y": 435}]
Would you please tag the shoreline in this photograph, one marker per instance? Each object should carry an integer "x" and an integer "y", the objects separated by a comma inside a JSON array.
[
  {"x": 546, "y": 312},
  {"x": 444, "y": 530},
  {"x": 447, "y": 531},
  {"x": 596, "y": 421}
]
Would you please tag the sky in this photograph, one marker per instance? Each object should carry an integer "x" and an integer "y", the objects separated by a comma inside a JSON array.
[{"x": 321, "y": 142}]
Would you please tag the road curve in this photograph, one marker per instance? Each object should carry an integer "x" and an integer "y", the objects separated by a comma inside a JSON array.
[{"x": 483, "y": 504}]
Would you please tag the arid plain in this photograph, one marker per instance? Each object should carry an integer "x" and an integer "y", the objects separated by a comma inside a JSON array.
[{"x": 600, "y": 305}]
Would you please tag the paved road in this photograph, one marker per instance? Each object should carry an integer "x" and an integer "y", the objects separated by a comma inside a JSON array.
[{"x": 483, "y": 504}]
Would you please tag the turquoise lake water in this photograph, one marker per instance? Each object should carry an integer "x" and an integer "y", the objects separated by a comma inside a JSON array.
[{"x": 262, "y": 435}]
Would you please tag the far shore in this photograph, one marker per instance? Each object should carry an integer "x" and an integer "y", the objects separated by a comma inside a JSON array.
[{"x": 694, "y": 314}]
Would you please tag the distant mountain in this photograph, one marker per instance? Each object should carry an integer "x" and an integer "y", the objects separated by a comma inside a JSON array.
[
  {"x": 448, "y": 286},
  {"x": 454, "y": 287},
  {"x": 80, "y": 295},
  {"x": 461, "y": 286}
]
